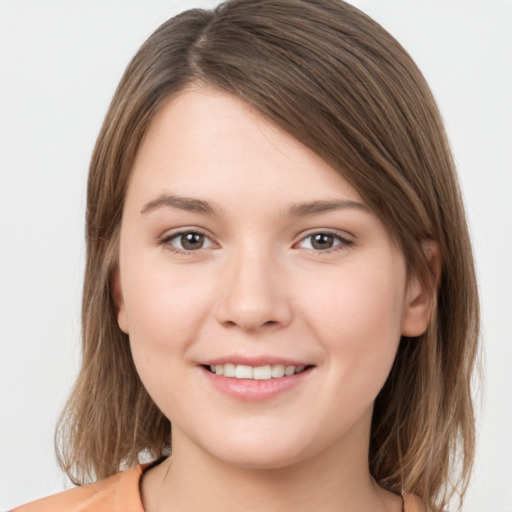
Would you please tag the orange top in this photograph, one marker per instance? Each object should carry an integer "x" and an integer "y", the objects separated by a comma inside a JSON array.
[{"x": 120, "y": 493}]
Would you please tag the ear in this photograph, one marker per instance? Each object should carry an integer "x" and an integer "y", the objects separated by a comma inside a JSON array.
[
  {"x": 420, "y": 299},
  {"x": 122, "y": 321}
]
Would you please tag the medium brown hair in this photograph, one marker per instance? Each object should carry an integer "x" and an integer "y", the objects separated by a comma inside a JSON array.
[{"x": 341, "y": 85}]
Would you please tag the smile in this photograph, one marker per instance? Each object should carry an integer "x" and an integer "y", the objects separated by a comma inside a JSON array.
[{"x": 265, "y": 372}]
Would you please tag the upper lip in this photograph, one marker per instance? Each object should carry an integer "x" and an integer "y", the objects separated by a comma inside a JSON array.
[{"x": 260, "y": 360}]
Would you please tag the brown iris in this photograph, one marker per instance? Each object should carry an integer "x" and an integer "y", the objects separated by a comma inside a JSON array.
[
  {"x": 322, "y": 241},
  {"x": 192, "y": 241}
]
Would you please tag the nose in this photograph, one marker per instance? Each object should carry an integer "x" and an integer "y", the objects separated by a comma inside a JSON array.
[{"x": 255, "y": 295}]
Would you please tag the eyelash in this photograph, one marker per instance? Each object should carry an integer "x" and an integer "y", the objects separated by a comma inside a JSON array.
[
  {"x": 167, "y": 241},
  {"x": 342, "y": 244}
]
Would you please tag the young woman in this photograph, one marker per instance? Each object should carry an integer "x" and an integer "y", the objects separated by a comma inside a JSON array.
[{"x": 279, "y": 267}]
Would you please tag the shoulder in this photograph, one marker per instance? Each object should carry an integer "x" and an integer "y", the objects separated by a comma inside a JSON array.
[
  {"x": 412, "y": 503},
  {"x": 119, "y": 492}
]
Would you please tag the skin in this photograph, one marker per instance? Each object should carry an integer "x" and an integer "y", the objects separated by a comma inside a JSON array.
[{"x": 258, "y": 287}]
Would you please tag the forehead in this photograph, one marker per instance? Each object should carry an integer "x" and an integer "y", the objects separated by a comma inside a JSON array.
[{"x": 212, "y": 143}]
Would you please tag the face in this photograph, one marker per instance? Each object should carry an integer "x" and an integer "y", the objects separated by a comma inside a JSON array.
[{"x": 264, "y": 301}]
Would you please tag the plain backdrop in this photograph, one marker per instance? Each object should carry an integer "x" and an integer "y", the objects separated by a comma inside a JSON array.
[{"x": 60, "y": 61}]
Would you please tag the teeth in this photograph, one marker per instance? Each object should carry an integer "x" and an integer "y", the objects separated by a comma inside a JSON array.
[
  {"x": 229, "y": 370},
  {"x": 289, "y": 370},
  {"x": 262, "y": 372},
  {"x": 277, "y": 371},
  {"x": 243, "y": 372},
  {"x": 267, "y": 372}
]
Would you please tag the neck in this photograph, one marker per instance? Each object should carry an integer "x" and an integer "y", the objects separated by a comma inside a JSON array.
[{"x": 336, "y": 479}]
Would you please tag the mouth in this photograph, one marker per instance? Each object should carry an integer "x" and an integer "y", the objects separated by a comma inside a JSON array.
[
  {"x": 264, "y": 372},
  {"x": 261, "y": 381}
]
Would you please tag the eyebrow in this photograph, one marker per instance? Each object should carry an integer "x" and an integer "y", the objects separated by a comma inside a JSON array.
[
  {"x": 318, "y": 207},
  {"x": 302, "y": 209},
  {"x": 180, "y": 203}
]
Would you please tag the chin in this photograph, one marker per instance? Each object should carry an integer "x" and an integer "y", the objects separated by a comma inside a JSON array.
[{"x": 254, "y": 451}]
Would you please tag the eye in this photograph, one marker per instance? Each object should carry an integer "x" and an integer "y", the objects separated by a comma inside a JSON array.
[
  {"x": 187, "y": 241},
  {"x": 323, "y": 241}
]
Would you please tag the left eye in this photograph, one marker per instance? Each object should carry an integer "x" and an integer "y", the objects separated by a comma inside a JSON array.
[
  {"x": 189, "y": 241},
  {"x": 322, "y": 241}
]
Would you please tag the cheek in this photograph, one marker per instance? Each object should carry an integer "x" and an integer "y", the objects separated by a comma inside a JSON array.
[
  {"x": 161, "y": 304},
  {"x": 165, "y": 313},
  {"x": 358, "y": 317}
]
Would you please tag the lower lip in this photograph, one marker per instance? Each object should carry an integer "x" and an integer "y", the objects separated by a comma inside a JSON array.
[{"x": 252, "y": 390}]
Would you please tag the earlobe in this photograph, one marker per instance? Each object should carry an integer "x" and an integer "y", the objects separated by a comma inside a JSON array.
[
  {"x": 119, "y": 301},
  {"x": 420, "y": 297}
]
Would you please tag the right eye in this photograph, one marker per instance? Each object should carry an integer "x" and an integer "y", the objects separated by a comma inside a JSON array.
[{"x": 187, "y": 241}]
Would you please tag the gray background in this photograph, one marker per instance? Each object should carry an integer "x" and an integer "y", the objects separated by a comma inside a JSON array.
[{"x": 60, "y": 61}]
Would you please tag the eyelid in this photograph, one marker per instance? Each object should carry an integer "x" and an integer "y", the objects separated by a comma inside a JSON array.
[
  {"x": 165, "y": 240},
  {"x": 345, "y": 241}
]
